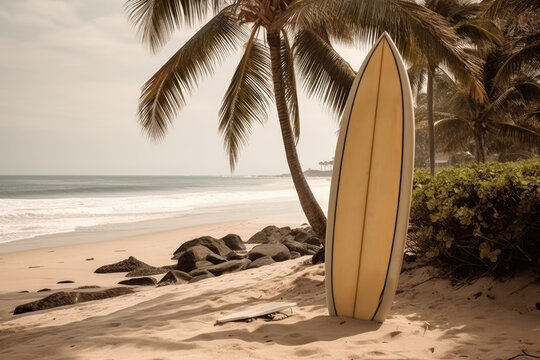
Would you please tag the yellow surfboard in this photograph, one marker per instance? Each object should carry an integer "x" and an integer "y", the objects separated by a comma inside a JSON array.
[{"x": 371, "y": 188}]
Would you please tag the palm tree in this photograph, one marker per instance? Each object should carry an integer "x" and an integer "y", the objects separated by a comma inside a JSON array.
[
  {"x": 427, "y": 39},
  {"x": 511, "y": 80},
  {"x": 465, "y": 19},
  {"x": 463, "y": 121},
  {"x": 265, "y": 69}
]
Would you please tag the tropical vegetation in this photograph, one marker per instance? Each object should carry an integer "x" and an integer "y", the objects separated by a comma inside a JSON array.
[{"x": 478, "y": 219}]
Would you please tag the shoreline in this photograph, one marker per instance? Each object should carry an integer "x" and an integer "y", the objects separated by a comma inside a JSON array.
[{"x": 263, "y": 213}]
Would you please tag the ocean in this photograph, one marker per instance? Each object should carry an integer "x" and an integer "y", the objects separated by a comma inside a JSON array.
[{"x": 40, "y": 206}]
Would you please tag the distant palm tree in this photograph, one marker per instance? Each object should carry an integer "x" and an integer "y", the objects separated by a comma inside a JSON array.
[
  {"x": 461, "y": 120},
  {"x": 265, "y": 70},
  {"x": 512, "y": 81},
  {"x": 465, "y": 18}
]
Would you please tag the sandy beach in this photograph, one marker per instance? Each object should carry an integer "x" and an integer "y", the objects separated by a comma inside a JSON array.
[{"x": 430, "y": 318}]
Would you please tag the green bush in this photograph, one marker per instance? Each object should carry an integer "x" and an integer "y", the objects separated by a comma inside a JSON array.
[{"x": 478, "y": 219}]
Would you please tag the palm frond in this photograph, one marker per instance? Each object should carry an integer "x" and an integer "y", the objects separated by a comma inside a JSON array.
[
  {"x": 417, "y": 77},
  {"x": 513, "y": 134},
  {"x": 501, "y": 8},
  {"x": 289, "y": 77},
  {"x": 247, "y": 99},
  {"x": 482, "y": 33},
  {"x": 523, "y": 92},
  {"x": 156, "y": 20},
  {"x": 453, "y": 134},
  {"x": 440, "y": 44},
  {"x": 324, "y": 72},
  {"x": 529, "y": 55},
  {"x": 164, "y": 95}
]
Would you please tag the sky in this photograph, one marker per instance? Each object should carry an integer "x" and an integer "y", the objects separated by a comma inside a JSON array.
[{"x": 70, "y": 79}]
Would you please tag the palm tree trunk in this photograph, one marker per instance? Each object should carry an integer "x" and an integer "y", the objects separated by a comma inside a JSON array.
[
  {"x": 311, "y": 208},
  {"x": 430, "y": 118},
  {"x": 480, "y": 142}
]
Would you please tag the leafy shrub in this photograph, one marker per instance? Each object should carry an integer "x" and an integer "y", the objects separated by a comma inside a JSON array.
[{"x": 478, "y": 219}]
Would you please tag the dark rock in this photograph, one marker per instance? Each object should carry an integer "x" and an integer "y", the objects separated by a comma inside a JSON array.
[
  {"x": 278, "y": 252},
  {"x": 201, "y": 277},
  {"x": 146, "y": 271},
  {"x": 142, "y": 281},
  {"x": 188, "y": 259},
  {"x": 66, "y": 282},
  {"x": 318, "y": 258},
  {"x": 300, "y": 235},
  {"x": 215, "y": 259},
  {"x": 203, "y": 264},
  {"x": 67, "y": 298},
  {"x": 215, "y": 245},
  {"x": 409, "y": 257},
  {"x": 24, "y": 292},
  {"x": 313, "y": 248},
  {"x": 313, "y": 240},
  {"x": 262, "y": 261},
  {"x": 127, "y": 265},
  {"x": 269, "y": 235},
  {"x": 43, "y": 290},
  {"x": 89, "y": 259},
  {"x": 199, "y": 272},
  {"x": 235, "y": 256},
  {"x": 229, "y": 267},
  {"x": 293, "y": 245},
  {"x": 175, "y": 277},
  {"x": 538, "y": 306},
  {"x": 234, "y": 242},
  {"x": 87, "y": 287},
  {"x": 295, "y": 255}
]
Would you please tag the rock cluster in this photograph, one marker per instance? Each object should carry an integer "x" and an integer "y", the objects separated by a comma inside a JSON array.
[
  {"x": 68, "y": 298},
  {"x": 206, "y": 256},
  {"x": 198, "y": 259}
]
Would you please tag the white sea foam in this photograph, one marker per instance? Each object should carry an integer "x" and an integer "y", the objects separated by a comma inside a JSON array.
[{"x": 26, "y": 218}]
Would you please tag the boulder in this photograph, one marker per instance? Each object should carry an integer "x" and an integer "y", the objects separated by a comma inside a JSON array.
[
  {"x": 262, "y": 261},
  {"x": 146, "y": 271},
  {"x": 229, "y": 267},
  {"x": 313, "y": 248},
  {"x": 84, "y": 287},
  {"x": 199, "y": 272},
  {"x": 67, "y": 298},
  {"x": 300, "y": 235},
  {"x": 141, "y": 281},
  {"x": 126, "y": 265},
  {"x": 215, "y": 259},
  {"x": 203, "y": 264},
  {"x": 295, "y": 255},
  {"x": 318, "y": 258},
  {"x": 234, "y": 242},
  {"x": 269, "y": 235},
  {"x": 201, "y": 277},
  {"x": 188, "y": 259},
  {"x": 175, "y": 277},
  {"x": 215, "y": 245},
  {"x": 278, "y": 252},
  {"x": 235, "y": 256},
  {"x": 44, "y": 290},
  {"x": 66, "y": 282},
  {"x": 293, "y": 245},
  {"x": 313, "y": 240}
]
